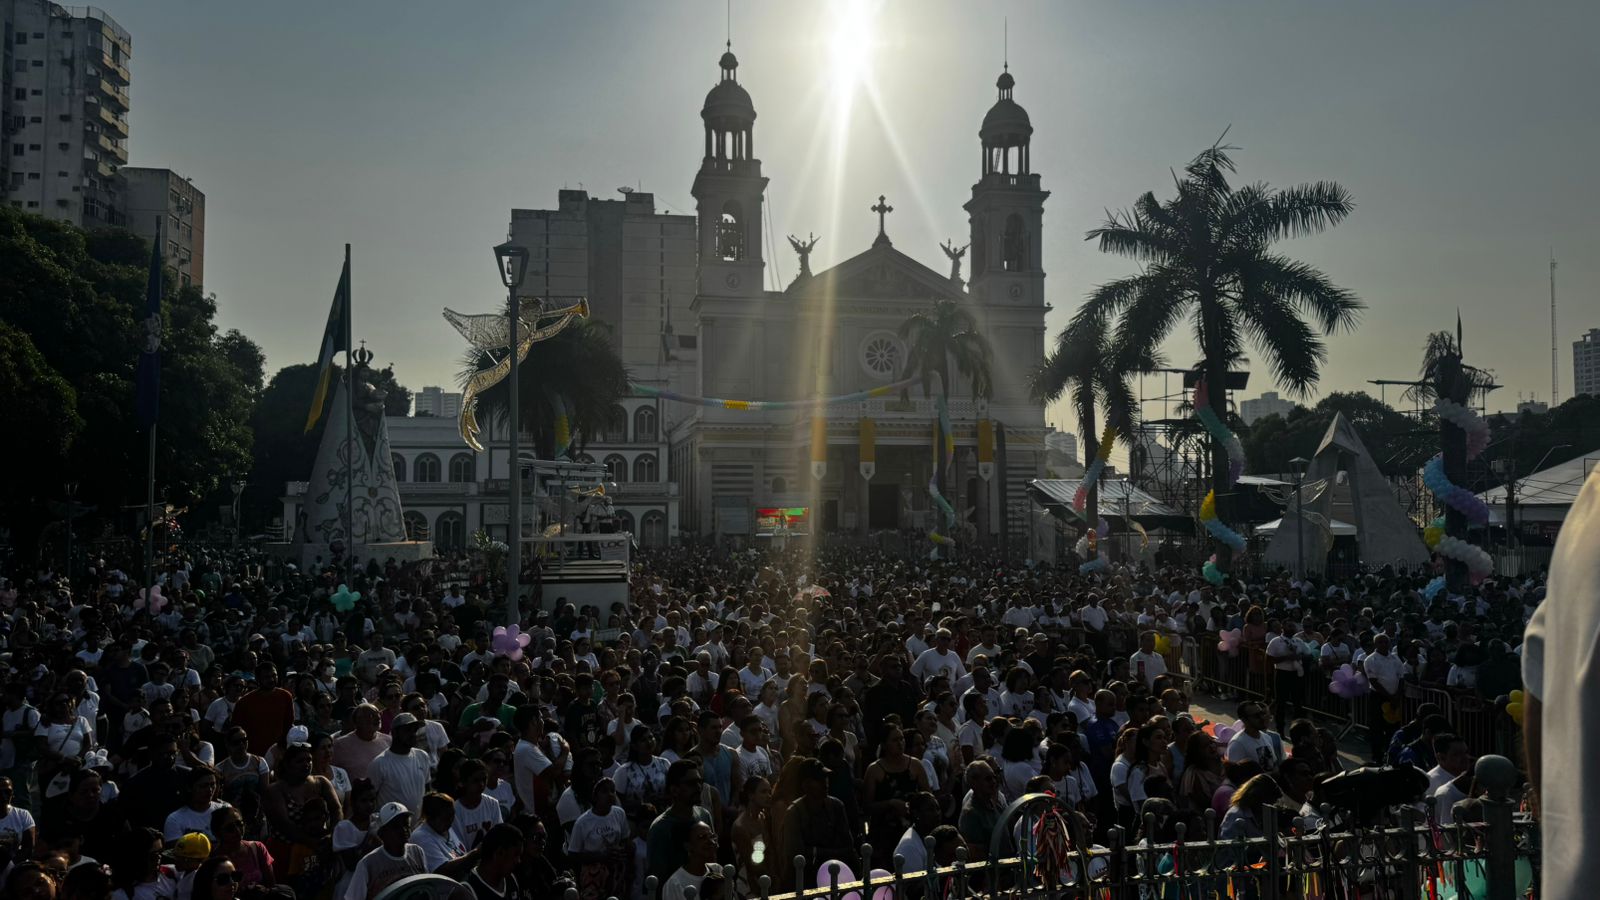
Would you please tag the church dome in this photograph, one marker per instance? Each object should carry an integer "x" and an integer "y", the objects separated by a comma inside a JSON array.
[
  {"x": 728, "y": 103},
  {"x": 1006, "y": 124}
]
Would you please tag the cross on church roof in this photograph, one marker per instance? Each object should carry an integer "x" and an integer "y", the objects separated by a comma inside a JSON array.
[{"x": 882, "y": 209}]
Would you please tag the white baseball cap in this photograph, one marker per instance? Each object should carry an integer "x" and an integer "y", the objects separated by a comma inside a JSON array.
[{"x": 392, "y": 811}]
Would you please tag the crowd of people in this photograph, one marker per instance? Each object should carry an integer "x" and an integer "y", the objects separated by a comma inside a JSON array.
[{"x": 257, "y": 730}]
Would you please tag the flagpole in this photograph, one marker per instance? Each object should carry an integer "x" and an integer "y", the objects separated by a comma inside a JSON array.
[
  {"x": 349, "y": 417},
  {"x": 150, "y": 474}
]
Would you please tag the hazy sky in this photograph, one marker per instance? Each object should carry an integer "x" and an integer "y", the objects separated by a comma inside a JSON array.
[{"x": 1465, "y": 130}]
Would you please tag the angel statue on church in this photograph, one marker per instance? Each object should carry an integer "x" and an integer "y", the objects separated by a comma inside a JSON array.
[
  {"x": 803, "y": 250},
  {"x": 955, "y": 254}
]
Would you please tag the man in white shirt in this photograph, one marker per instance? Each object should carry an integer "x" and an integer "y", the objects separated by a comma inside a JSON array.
[
  {"x": 1384, "y": 671},
  {"x": 402, "y": 773},
  {"x": 1561, "y": 678},
  {"x": 986, "y": 646},
  {"x": 924, "y": 819},
  {"x": 528, "y": 760},
  {"x": 938, "y": 660},
  {"x": 1288, "y": 686},
  {"x": 395, "y": 859},
  {"x": 1147, "y": 664},
  {"x": 1254, "y": 743}
]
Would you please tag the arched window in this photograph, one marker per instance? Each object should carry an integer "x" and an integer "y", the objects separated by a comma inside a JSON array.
[
  {"x": 644, "y": 467},
  {"x": 780, "y": 485},
  {"x": 416, "y": 525},
  {"x": 730, "y": 232},
  {"x": 399, "y": 463},
  {"x": 653, "y": 529},
  {"x": 584, "y": 459},
  {"x": 616, "y": 431},
  {"x": 450, "y": 531},
  {"x": 644, "y": 424},
  {"x": 624, "y": 521},
  {"x": 616, "y": 468},
  {"x": 1016, "y": 245},
  {"x": 463, "y": 468},
  {"x": 426, "y": 469}
]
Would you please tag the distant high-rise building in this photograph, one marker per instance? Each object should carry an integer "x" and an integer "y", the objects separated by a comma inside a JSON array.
[
  {"x": 1064, "y": 443},
  {"x": 1265, "y": 405},
  {"x": 63, "y": 111},
  {"x": 152, "y": 194},
  {"x": 1586, "y": 364},
  {"x": 436, "y": 401}
]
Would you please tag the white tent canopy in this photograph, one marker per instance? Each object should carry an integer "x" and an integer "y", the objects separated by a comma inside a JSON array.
[
  {"x": 1335, "y": 527},
  {"x": 1544, "y": 496}
]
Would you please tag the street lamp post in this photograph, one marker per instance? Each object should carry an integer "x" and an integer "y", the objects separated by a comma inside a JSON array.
[
  {"x": 1299, "y": 463},
  {"x": 71, "y": 488},
  {"x": 238, "y": 527},
  {"x": 513, "y": 263}
]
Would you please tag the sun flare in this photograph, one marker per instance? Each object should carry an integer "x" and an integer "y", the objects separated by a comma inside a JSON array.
[{"x": 851, "y": 39}]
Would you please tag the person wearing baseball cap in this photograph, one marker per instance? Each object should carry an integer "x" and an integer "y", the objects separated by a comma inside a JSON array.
[
  {"x": 401, "y": 773},
  {"x": 393, "y": 859},
  {"x": 187, "y": 854}
]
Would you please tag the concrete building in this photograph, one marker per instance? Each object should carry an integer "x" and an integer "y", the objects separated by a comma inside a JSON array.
[
  {"x": 162, "y": 194},
  {"x": 1586, "y": 364},
  {"x": 448, "y": 492},
  {"x": 835, "y": 332},
  {"x": 436, "y": 401},
  {"x": 63, "y": 111},
  {"x": 1534, "y": 407},
  {"x": 1063, "y": 443},
  {"x": 1269, "y": 403}
]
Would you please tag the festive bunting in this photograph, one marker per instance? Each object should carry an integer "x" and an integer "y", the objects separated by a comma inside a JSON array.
[
  {"x": 1208, "y": 518},
  {"x": 770, "y": 405},
  {"x": 1219, "y": 432},
  {"x": 1479, "y": 564},
  {"x": 1091, "y": 475},
  {"x": 563, "y": 423}
]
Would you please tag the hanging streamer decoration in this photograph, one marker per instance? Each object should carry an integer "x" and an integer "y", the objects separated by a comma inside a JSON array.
[
  {"x": 491, "y": 334},
  {"x": 1479, "y": 564},
  {"x": 1208, "y": 518},
  {"x": 1089, "y": 547},
  {"x": 944, "y": 448},
  {"x": 1212, "y": 573},
  {"x": 771, "y": 405},
  {"x": 1219, "y": 432},
  {"x": 1208, "y": 509},
  {"x": 1431, "y": 536},
  {"x": 1091, "y": 475},
  {"x": 563, "y": 422}
]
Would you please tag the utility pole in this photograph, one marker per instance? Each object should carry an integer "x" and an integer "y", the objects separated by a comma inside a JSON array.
[{"x": 1555, "y": 378}]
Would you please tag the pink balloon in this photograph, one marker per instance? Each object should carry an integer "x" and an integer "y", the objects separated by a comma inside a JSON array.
[
  {"x": 887, "y": 891},
  {"x": 825, "y": 878},
  {"x": 1225, "y": 733}
]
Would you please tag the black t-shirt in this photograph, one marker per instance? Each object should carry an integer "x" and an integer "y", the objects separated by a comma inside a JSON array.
[{"x": 483, "y": 891}]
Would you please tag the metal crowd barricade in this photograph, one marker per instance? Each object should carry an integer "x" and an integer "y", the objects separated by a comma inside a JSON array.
[{"x": 1406, "y": 859}]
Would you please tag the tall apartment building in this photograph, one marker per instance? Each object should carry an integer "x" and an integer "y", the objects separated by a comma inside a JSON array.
[
  {"x": 64, "y": 111},
  {"x": 438, "y": 402},
  {"x": 162, "y": 194},
  {"x": 637, "y": 269},
  {"x": 1586, "y": 364},
  {"x": 1269, "y": 403}
]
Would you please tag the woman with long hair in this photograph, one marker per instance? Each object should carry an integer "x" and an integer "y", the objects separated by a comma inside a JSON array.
[
  {"x": 838, "y": 718},
  {"x": 643, "y": 778},
  {"x": 753, "y": 845},
  {"x": 768, "y": 709},
  {"x": 889, "y": 784},
  {"x": 792, "y": 714},
  {"x": 217, "y": 879},
  {"x": 1202, "y": 774},
  {"x": 601, "y": 845},
  {"x": 322, "y": 764},
  {"x": 138, "y": 872},
  {"x": 250, "y": 857},
  {"x": 677, "y": 739}
]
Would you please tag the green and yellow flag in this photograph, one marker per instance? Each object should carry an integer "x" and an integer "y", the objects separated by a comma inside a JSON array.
[{"x": 335, "y": 337}]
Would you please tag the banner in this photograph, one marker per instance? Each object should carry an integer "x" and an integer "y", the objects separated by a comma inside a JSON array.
[
  {"x": 985, "y": 449},
  {"x": 819, "y": 447},
  {"x": 868, "y": 445}
]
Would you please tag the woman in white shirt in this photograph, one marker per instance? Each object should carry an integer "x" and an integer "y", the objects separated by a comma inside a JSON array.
[
  {"x": 66, "y": 734},
  {"x": 1017, "y": 699},
  {"x": 601, "y": 844},
  {"x": 196, "y": 814},
  {"x": 643, "y": 778}
]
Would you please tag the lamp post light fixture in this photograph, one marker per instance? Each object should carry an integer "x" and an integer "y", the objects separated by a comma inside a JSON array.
[
  {"x": 512, "y": 260},
  {"x": 1299, "y": 464},
  {"x": 238, "y": 526},
  {"x": 71, "y": 489}
]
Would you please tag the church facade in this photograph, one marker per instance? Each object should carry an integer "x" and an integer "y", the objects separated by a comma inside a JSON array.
[{"x": 835, "y": 332}]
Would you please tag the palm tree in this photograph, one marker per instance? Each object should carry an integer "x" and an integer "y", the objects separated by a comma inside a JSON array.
[
  {"x": 579, "y": 365},
  {"x": 1094, "y": 375},
  {"x": 1206, "y": 257},
  {"x": 935, "y": 339}
]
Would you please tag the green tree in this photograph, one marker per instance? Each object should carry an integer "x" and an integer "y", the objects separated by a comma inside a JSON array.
[
  {"x": 1206, "y": 257},
  {"x": 1085, "y": 368},
  {"x": 579, "y": 365},
  {"x": 935, "y": 339},
  {"x": 77, "y": 296}
]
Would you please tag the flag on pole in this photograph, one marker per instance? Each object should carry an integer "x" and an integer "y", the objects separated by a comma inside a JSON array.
[
  {"x": 334, "y": 339},
  {"x": 148, "y": 375}
]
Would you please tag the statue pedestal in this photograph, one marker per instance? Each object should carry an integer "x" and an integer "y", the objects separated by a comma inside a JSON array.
[{"x": 401, "y": 552}]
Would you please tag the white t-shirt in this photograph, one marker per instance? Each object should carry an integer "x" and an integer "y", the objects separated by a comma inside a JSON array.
[
  {"x": 594, "y": 833},
  {"x": 14, "y": 824},
  {"x": 377, "y": 870},
  {"x": 470, "y": 823},
  {"x": 183, "y": 820},
  {"x": 1093, "y": 618},
  {"x": 1565, "y": 630},
  {"x": 437, "y": 849},
  {"x": 1265, "y": 748},
  {"x": 400, "y": 778},
  {"x": 1385, "y": 670},
  {"x": 931, "y": 662},
  {"x": 674, "y": 889},
  {"x": 1154, "y": 667},
  {"x": 528, "y": 762}
]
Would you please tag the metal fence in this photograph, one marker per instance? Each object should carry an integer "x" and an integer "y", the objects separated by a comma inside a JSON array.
[
  {"x": 1400, "y": 856},
  {"x": 1249, "y": 674}
]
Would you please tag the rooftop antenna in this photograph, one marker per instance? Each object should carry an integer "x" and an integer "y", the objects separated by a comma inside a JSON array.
[
  {"x": 730, "y": 25},
  {"x": 1555, "y": 378},
  {"x": 1005, "y": 44}
]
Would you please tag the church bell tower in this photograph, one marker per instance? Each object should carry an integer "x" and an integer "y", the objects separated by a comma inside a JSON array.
[
  {"x": 1006, "y": 211},
  {"x": 729, "y": 190}
]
